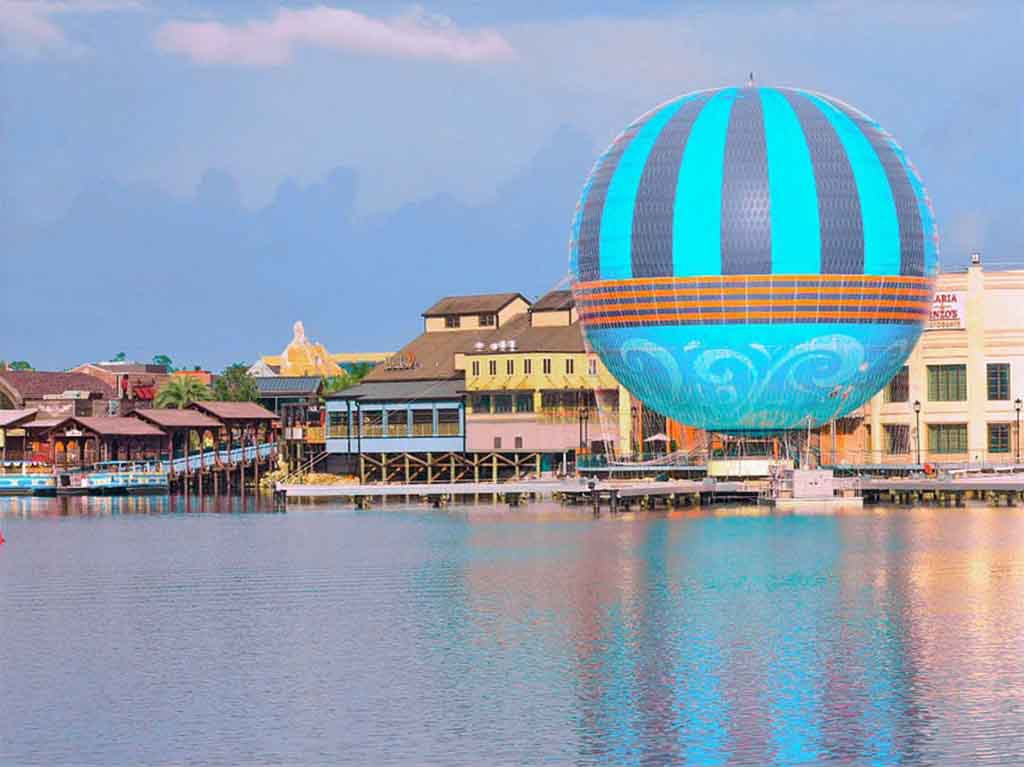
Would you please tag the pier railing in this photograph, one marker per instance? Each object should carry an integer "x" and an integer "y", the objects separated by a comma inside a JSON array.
[{"x": 213, "y": 457}]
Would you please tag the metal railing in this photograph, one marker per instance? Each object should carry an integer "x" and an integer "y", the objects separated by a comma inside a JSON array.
[{"x": 212, "y": 457}]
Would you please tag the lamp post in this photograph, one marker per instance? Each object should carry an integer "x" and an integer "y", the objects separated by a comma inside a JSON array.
[
  {"x": 1017, "y": 404},
  {"x": 632, "y": 431},
  {"x": 917, "y": 415}
]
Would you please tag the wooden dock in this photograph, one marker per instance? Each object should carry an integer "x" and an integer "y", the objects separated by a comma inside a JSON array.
[{"x": 998, "y": 489}]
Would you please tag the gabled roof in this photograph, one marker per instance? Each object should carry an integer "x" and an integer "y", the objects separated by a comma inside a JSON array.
[
  {"x": 172, "y": 418},
  {"x": 15, "y": 417},
  {"x": 556, "y": 300},
  {"x": 481, "y": 304},
  {"x": 118, "y": 426},
  {"x": 402, "y": 391},
  {"x": 36, "y": 384},
  {"x": 107, "y": 425},
  {"x": 280, "y": 386},
  {"x": 235, "y": 411}
]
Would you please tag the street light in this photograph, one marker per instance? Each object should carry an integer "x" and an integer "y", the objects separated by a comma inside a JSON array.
[
  {"x": 1017, "y": 404},
  {"x": 917, "y": 415},
  {"x": 633, "y": 436}
]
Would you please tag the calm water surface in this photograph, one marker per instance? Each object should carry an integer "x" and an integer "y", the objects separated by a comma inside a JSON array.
[{"x": 135, "y": 632}]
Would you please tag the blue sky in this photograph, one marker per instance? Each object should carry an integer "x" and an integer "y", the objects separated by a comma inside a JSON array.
[{"x": 189, "y": 178}]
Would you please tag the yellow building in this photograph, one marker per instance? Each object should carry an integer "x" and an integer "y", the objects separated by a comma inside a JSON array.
[{"x": 533, "y": 386}]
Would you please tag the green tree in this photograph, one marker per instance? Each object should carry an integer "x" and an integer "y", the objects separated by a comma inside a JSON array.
[
  {"x": 350, "y": 377},
  {"x": 163, "y": 359},
  {"x": 181, "y": 391},
  {"x": 235, "y": 384},
  {"x": 20, "y": 365},
  {"x": 120, "y": 357}
]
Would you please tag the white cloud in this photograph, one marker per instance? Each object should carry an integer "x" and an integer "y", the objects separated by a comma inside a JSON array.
[
  {"x": 28, "y": 26},
  {"x": 270, "y": 43}
]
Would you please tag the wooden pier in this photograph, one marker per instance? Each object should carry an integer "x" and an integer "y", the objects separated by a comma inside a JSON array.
[{"x": 1006, "y": 489}]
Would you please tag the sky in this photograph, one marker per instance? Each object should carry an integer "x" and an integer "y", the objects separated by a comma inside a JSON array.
[{"x": 189, "y": 178}]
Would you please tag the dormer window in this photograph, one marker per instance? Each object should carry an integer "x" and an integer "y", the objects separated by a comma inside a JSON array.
[
  {"x": 452, "y": 321},
  {"x": 488, "y": 320}
]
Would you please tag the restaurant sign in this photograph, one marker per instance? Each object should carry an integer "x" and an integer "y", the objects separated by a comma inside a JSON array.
[
  {"x": 949, "y": 312},
  {"x": 400, "y": 361}
]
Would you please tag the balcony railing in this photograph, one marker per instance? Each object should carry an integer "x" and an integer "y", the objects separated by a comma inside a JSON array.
[
  {"x": 448, "y": 429},
  {"x": 315, "y": 434}
]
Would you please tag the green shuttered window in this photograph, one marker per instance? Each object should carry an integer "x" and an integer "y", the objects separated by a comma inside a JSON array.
[
  {"x": 947, "y": 438},
  {"x": 947, "y": 383}
]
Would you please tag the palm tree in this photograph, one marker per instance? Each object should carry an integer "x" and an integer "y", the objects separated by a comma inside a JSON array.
[{"x": 181, "y": 391}]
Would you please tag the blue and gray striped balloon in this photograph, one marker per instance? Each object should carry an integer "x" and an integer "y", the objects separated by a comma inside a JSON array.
[{"x": 753, "y": 258}]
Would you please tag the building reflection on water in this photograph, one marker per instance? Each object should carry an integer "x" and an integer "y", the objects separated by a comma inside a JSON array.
[
  {"x": 99, "y": 505},
  {"x": 875, "y": 638},
  {"x": 489, "y": 636}
]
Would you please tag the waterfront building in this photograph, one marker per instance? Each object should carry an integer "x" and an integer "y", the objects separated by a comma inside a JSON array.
[
  {"x": 303, "y": 357},
  {"x": 278, "y": 392},
  {"x": 492, "y": 388},
  {"x": 55, "y": 394},
  {"x": 136, "y": 383},
  {"x": 534, "y": 387},
  {"x": 83, "y": 440},
  {"x": 12, "y": 433},
  {"x": 959, "y": 396}
]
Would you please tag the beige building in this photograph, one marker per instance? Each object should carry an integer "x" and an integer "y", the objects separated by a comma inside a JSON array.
[{"x": 963, "y": 383}]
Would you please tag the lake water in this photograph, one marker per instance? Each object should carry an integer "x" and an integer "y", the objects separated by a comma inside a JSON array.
[{"x": 133, "y": 631}]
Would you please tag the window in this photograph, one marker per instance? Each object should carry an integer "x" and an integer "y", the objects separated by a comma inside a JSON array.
[
  {"x": 398, "y": 423},
  {"x": 547, "y": 366},
  {"x": 448, "y": 422},
  {"x": 527, "y": 366},
  {"x": 502, "y": 403},
  {"x": 476, "y": 367},
  {"x": 999, "y": 438},
  {"x": 947, "y": 383},
  {"x": 510, "y": 366},
  {"x": 947, "y": 438},
  {"x": 337, "y": 424},
  {"x": 488, "y": 320},
  {"x": 452, "y": 321},
  {"x": 422, "y": 423},
  {"x": 898, "y": 389},
  {"x": 519, "y": 443},
  {"x": 492, "y": 367},
  {"x": 481, "y": 403},
  {"x": 998, "y": 375},
  {"x": 591, "y": 367},
  {"x": 373, "y": 423},
  {"x": 524, "y": 403},
  {"x": 569, "y": 365},
  {"x": 497, "y": 443},
  {"x": 897, "y": 438}
]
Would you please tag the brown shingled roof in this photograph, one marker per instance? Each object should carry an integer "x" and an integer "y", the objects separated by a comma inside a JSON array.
[
  {"x": 481, "y": 304},
  {"x": 556, "y": 300},
  {"x": 117, "y": 426},
  {"x": 433, "y": 356},
  {"x": 235, "y": 411},
  {"x": 171, "y": 418},
  {"x": 35, "y": 384},
  {"x": 434, "y": 353}
]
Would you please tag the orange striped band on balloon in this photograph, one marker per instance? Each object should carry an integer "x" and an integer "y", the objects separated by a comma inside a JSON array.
[{"x": 754, "y": 298}]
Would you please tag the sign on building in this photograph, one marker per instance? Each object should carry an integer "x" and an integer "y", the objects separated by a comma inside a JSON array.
[{"x": 949, "y": 311}]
